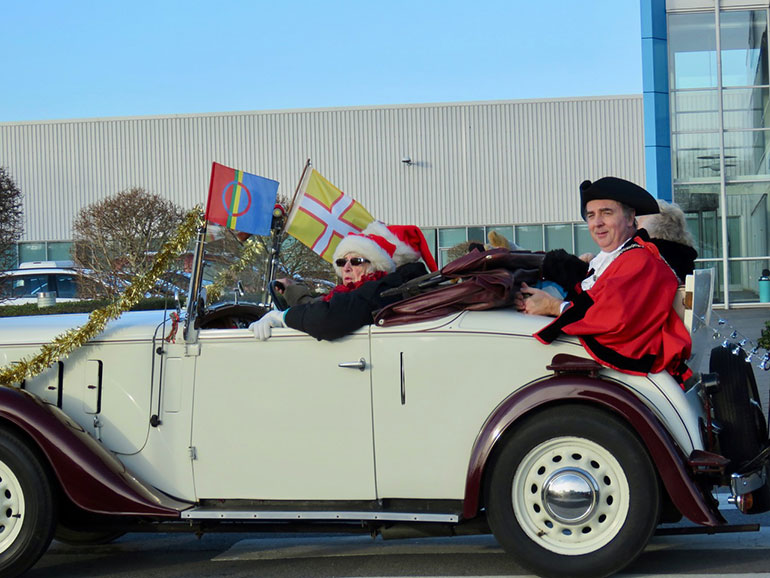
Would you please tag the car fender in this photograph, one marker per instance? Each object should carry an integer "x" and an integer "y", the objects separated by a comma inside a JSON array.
[
  {"x": 669, "y": 462},
  {"x": 90, "y": 475}
]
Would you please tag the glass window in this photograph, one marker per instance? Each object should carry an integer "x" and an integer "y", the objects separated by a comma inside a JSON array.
[
  {"x": 30, "y": 285},
  {"x": 743, "y": 43},
  {"x": 700, "y": 204},
  {"x": 506, "y": 232},
  {"x": 451, "y": 244},
  {"x": 476, "y": 234},
  {"x": 530, "y": 237},
  {"x": 430, "y": 238},
  {"x": 31, "y": 252},
  {"x": 693, "y": 110},
  {"x": 584, "y": 243},
  {"x": 66, "y": 286},
  {"x": 746, "y": 153},
  {"x": 747, "y": 216},
  {"x": 558, "y": 237},
  {"x": 693, "y": 50},
  {"x": 59, "y": 251},
  {"x": 718, "y": 279},
  {"x": 746, "y": 289},
  {"x": 696, "y": 157},
  {"x": 450, "y": 237},
  {"x": 745, "y": 108}
]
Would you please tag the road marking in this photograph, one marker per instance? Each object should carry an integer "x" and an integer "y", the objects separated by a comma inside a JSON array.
[{"x": 324, "y": 547}]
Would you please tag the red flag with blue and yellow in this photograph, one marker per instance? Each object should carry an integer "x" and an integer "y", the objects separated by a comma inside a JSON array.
[{"x": 240, "y": 201}]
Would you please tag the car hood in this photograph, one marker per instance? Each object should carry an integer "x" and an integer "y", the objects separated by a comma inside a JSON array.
[{"x": 39, "y": 329}]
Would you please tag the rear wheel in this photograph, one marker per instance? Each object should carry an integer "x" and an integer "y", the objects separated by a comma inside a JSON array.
[
  {"x": 573, "y": 493},
  {"x": 737, "y": 408},
  {"x": 27, "y": 507}
]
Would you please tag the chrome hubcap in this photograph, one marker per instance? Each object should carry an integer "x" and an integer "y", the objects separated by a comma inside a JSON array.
[{"x": 569, "y": 495}]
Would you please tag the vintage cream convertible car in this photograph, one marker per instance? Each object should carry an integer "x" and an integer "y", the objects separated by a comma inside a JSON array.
[{"x": 455, "y": 425}]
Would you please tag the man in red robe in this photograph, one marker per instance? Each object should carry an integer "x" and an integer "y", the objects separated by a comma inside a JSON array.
[{"x": 622, "y": 311}]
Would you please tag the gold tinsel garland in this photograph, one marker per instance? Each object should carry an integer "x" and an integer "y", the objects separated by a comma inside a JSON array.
[{"x": 63, "y": 344}]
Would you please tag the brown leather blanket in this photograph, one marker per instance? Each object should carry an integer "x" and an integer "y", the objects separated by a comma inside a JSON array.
[{"x": 476, "y": 281}]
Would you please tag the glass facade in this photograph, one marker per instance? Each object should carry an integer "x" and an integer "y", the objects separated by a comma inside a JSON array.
[
  {"x": 451, "y": 242},
  {"x": 43, "y": 251},
  {"x": 719, "y": 88}
]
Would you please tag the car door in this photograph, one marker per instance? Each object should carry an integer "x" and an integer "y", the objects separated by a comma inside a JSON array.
[
  {"x": 281, "y": 419},
  {"x": 434, "y": 385}
]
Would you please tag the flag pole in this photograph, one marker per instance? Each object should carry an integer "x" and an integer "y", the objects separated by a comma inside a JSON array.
[
  {"x": 277, "y": 236},
  {"x": 296, "y": 192}
]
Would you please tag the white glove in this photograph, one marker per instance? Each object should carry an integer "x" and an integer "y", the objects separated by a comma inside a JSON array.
[{"x": 263, "y": 328}]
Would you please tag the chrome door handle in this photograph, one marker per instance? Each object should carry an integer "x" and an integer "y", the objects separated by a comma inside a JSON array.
[{"x": 360, "y": 364}]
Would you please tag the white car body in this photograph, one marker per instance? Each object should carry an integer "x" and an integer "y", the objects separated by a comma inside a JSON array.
[
  {"x": 464, "y": 423},
  {"x": 328, "y": 428}
]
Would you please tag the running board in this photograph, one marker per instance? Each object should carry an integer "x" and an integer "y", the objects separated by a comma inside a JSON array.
[{"x": 219, "y": 514}]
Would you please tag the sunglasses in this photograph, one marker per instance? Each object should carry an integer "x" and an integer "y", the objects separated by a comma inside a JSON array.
[{"x": 355, "y": 261}]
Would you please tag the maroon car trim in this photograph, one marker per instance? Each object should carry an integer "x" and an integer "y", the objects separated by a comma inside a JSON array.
[
  {"x": 669, "y": 461},
  {"x": 91, "y": 476}
]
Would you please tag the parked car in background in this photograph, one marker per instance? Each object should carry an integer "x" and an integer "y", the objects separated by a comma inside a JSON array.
[{"x": 23, "y": 285}]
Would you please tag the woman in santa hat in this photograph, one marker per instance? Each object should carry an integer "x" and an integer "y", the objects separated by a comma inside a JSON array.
[{"x": 380, "y": 258}]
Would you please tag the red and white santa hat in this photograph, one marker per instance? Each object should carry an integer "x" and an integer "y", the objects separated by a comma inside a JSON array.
[{"x": 386, "y": 246}]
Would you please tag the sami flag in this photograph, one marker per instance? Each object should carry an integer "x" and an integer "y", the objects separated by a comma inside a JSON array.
[
  {"x": 240, "y": 201},
  {"x": 322, "y": 215}
]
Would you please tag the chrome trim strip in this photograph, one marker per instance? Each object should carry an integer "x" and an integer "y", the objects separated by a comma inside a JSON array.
[{"x": 216, "y": 514}]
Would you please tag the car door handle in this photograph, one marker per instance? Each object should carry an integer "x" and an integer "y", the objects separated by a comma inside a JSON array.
[{"x": 360, "y": 364}]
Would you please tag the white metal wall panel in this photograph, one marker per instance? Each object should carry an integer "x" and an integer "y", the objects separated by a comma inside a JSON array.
[{"x": 483, "y": 163}]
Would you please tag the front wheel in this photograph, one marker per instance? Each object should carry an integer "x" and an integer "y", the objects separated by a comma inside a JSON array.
[
  {"x": 573, "y": 493},
  {"x": 27, "y": 507}
]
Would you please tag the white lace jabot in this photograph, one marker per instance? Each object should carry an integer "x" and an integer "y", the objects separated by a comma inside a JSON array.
[{"x": 599, "y": 265}]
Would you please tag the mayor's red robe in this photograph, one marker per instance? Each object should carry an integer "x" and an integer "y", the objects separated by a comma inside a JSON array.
[{"x": 626, "y": 321}]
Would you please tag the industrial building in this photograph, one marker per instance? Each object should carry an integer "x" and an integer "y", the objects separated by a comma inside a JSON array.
[
  {"x": 453, "y": 169},
  {"x": 698, "y": 135}
]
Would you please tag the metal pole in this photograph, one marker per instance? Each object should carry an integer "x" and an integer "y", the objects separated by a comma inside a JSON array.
[
  {"x": 296, "y": 192},
  {"x": 193, "y": 292},
  {"x": 722, "y": 186}
]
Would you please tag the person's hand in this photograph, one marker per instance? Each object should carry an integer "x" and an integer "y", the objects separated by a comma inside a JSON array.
[
  {"x": 263, "y": 328},
  {"x": 537, "y": 302},
  {"x": 586, "y": 257},
  {"x": 283, "y": 283}
]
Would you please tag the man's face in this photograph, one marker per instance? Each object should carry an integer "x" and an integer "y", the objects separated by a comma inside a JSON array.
[{"x": 608, "y": 224}]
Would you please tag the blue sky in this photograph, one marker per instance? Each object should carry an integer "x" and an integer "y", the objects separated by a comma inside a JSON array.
[{"x": 83, "y": 59}]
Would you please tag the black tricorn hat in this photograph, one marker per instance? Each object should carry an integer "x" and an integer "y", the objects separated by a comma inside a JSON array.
[{"x": 619, "y": 190}]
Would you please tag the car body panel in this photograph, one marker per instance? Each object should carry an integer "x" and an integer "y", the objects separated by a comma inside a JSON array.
[
  {"x": 89, "y": 474},
  {"x": 285, "y": 421},
  {"x": 106, "y": 385},
  {"x": 564, "y": 389},
  {"x": 231, "y": 418}
]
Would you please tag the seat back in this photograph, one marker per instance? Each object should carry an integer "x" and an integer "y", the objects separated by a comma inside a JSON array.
[{"x": 698, "y": 298}]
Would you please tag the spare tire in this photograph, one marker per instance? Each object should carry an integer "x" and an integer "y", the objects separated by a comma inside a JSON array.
[{"x": 737, "y": 408}]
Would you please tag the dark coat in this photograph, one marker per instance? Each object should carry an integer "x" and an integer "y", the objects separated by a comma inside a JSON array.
[
  {"x": 346, "y": 312},
  {"x": 680, "y": 257}
]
